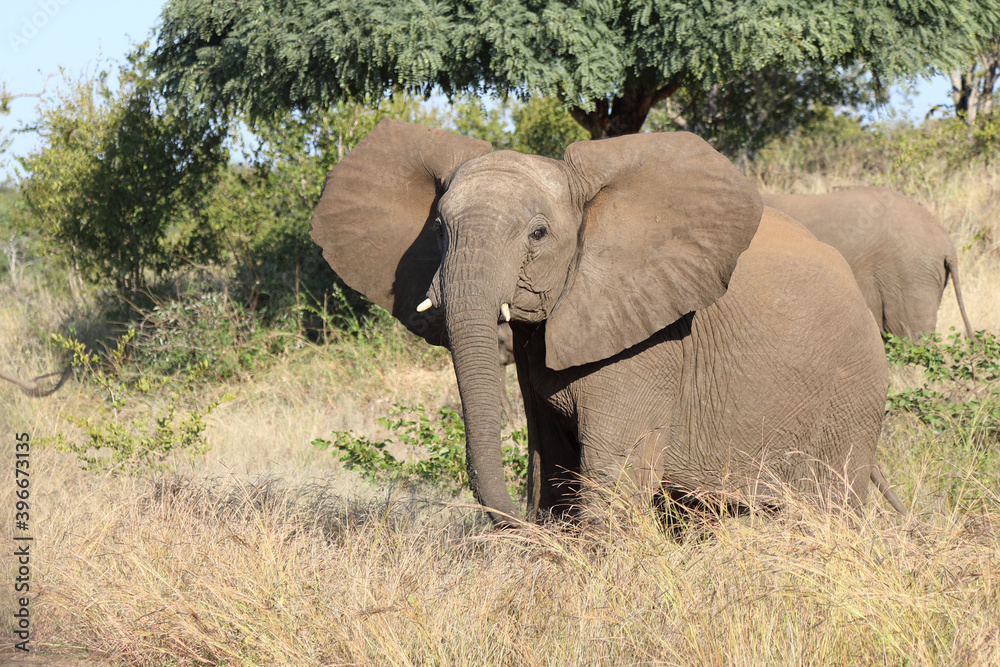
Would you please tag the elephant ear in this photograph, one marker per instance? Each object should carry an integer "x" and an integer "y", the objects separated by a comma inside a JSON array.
[
  {"x": 375, "y": 216},
  {"x": 665, "y": 218}
]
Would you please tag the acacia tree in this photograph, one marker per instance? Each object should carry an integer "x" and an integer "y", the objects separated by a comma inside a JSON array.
[
  {"x": 608, "y": 61},
  {"x": 740, "y": 117}
]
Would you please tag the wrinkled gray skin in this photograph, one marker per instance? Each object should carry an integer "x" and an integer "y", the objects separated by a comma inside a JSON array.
[
  {"x": 35, "y": 387},
  {"x": 899, "y": 253},
  {"x": 657, "y": 348}
]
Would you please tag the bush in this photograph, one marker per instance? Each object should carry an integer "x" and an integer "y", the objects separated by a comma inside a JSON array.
[
  {"x": 960, "y": 389},
  {"x": 118, "y": 170},
  {"x": 114, "y": 439},
  {"x": 437, "y": 446},
  {"x": 211, "y": 335}
]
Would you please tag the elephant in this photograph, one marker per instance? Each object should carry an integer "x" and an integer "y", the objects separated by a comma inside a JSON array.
[
  {"x": 900, "y": 254},
  {"x": 34, "y": 387},
  {"x": 672, "y": 336}
]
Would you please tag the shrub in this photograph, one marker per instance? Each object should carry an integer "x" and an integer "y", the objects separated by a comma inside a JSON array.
[
  {"x": 437, "y": 446},
  {"x": 114, "y": 439},
  {"x": 117, "y": 172},
  {"x": 960, "y": 387},
  {"x": 210, "y": 335}
]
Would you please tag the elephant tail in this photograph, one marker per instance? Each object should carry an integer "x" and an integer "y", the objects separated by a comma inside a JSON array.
[
  {"x": 951, "y": 266},
  {"x": 883, "y": 486}
]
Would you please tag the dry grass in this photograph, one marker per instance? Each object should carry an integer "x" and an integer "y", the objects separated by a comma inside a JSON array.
[
  {"x": 266, "y": 428},
  {"x": 265, "y": 552},
  {"x": 196, "y": 570}
]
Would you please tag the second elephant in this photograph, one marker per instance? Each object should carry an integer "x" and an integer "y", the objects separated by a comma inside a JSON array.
[{"x": 899, "y": 253}]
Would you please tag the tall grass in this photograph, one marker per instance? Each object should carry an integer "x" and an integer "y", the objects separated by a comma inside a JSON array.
[{"x": 217, "y": 571}]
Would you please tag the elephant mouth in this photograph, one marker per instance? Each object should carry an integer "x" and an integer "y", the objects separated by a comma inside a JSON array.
[
  {"x": 528, "y": 305},
  {"x": 502, "y": 318}
]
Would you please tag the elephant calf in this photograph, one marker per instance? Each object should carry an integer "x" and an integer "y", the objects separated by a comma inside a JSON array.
[
  {"x": 899, "y": 253},
  {"x": 670, "y": 333}
]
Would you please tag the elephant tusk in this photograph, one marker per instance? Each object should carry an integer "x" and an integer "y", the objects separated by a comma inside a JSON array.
[
  {"x": 505, "y": 311},
  {"x": 424, "y": 305}
]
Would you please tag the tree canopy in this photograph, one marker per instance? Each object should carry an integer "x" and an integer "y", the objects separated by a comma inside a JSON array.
[
  {"x": 740, "y": 118},
  {"x": 608, "y": 62}
]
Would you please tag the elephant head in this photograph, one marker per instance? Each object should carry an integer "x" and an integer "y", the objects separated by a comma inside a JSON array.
[{"x": 606, "y": 247}]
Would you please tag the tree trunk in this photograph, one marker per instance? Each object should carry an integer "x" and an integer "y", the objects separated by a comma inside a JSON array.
[
  {"x": 960, "y": 93},
  {"x": 990, "y": 64},
  {"x": 972, "y": 87},
  {"x": 625, "y": 114}
]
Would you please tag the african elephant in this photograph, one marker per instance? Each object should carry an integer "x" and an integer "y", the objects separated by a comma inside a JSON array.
[
  {"x": 668, "y": 337},
  {"x": 900, "y": 254}
]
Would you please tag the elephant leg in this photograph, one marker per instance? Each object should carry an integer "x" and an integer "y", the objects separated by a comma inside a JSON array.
[
  {"x": 636, "y": 472},
  {"x": 911, "y": 315},
  {"x": 911, "y": 300},
  {"x": 553, "y": 464},
  {"x": 505, "y": 349},
  {"x": 553, "y": 441},
  {"x": 909, "y": 323}
]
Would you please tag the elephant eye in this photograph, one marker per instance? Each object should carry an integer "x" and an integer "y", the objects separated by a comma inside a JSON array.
[
  {"x": 438, "y": 226},
  {"x": 538, "y": 233}
]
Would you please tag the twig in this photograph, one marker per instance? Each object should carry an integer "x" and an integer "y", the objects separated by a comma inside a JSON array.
[{"x": 6, "y": 97}]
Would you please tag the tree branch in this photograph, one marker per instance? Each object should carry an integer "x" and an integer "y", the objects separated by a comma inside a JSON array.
[{"x": 6, "y": 97}]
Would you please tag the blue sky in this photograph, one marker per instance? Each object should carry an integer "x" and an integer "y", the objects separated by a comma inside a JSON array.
[{"x": 37, "y": 37}]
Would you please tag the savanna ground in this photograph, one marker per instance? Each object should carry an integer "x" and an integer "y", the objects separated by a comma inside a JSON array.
[{"x": 263, "y": 550}]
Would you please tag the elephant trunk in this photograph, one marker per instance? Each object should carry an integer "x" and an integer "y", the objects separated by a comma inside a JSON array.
[{"x": 471, "y": 312}]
